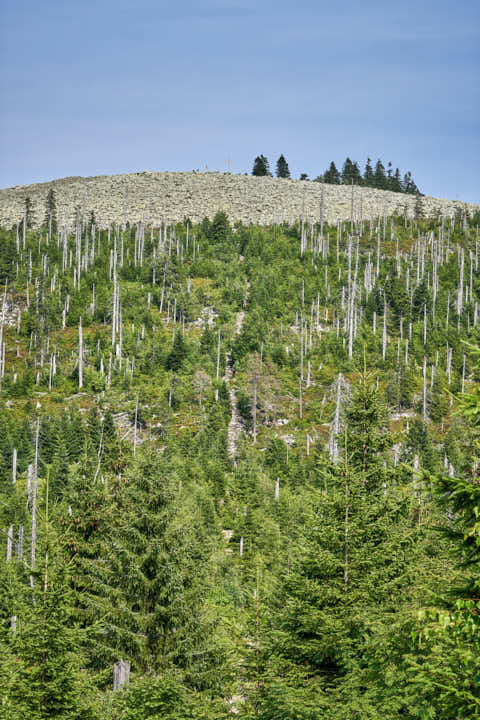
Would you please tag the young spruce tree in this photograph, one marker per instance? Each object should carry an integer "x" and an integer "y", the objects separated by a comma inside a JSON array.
[{"x": 345, "y": 589}]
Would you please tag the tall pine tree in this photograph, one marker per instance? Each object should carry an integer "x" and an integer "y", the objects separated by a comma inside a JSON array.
[
  {"x": 282, "y": 170},
  {"x": 261, "y": 166}
]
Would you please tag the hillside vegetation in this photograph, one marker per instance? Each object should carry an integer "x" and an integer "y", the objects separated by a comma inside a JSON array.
[{"x": 242, "y": 460}]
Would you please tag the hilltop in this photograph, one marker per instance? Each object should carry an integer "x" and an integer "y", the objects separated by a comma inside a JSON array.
[{"x": 172, "y": 196}]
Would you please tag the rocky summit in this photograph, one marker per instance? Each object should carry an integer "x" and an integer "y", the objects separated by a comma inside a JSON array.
[{"x": 156, "y": 197}]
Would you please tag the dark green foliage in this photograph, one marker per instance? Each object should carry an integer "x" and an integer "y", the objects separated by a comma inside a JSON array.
[
  {"x": 445, "y": 668},
  {"x": 50, "y": 221},
  {"x": 367, "y": 439},
  {"x": 28, "y": 212},
  {"x": 421, "y": 300},
  {"x": 379, "y": 177},
  {"x": 94, "y": 429},
  {"x": 74, "y": 435},
  {"x": 282, "y": 170},
  {"x": 340, "y": 590},
  {"x": 177, "y": 354},
  {"x": 261, "y": 166},
  {"x": 438, "y": 400},
  {"x": 332, "y": 176},
  {"x": 42, "y": 662},
  {"x": 207, "y": 341},
  {"x": 401, "y": 388},
  {"x": 409, "y": 185},
  {"x": 398, "y": 301},
  {"x": 351, "y": 173},
  {"x": 161, "y": 566},
  {"x": 60, "y": 467},
  {"x": 368, "y": 176},
  {"x": 419, "y": 445},
  {"x": 376, "y": 177},
  {"x": 220, "y": 235},
  {"x": 224, "y": 399},
  {"x": 167, "y": 698},
  {"x": 395, "y": 183},
  {"x": 302, "y": 573}
]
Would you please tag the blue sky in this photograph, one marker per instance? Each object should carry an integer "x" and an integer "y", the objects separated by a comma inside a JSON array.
[{"x": 110, "y": 86}]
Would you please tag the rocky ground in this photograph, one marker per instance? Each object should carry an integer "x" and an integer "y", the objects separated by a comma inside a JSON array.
[{"x": 157, "y": 197}]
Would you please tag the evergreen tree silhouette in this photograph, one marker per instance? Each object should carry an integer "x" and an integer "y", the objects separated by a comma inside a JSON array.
[
  {"x": 347, "y": 172},
  {"x": 28, "y": 211},
  {"x": 261, "y": 166},
  {"x": 332, "y": 176},
  {"x": 177, "y": 354},
  {"x": 379, "y": 178},
  {"x": 396, "y": 182},
  {"x": 368, "y": 174},
  {"x": 282, "y": 170},
  {"x": 50, "y": 221}
]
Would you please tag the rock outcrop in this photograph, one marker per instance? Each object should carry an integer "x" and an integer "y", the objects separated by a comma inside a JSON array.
[{"x": 170, "y": 196}]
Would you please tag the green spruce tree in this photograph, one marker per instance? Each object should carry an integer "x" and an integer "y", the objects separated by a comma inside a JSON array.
[
  {"x": 50, "y": 221},
  {"x": 177, "y": 354},
  {"x": 332, "y": 176},
  {"x": 282, "y": 170},
  {"x": 368, "y": 175},
  {"x": 379, "y": 177},
  {"x": 261, "y": 166},
  {"x": 445, "y": 667},
  {"x": 28, "y": 212}
]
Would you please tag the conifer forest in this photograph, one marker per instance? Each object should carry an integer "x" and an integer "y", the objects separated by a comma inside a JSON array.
[{"x": 239, "y": 469}]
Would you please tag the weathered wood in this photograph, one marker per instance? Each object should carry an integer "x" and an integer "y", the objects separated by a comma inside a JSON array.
[
  {"x": 9, "y": 543},
  {"x": 14, "y": 466},
  {"x": 121, "y": 674},
  {"x": 80, "y": 355}
]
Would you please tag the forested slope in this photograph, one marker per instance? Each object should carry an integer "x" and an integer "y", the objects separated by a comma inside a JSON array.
[{"x": 243, "y": 460}]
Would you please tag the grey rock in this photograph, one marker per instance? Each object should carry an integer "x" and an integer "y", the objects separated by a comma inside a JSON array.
[{"x": 165, "y": 197}]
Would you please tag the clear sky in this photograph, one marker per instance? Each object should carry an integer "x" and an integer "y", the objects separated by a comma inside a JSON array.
[{"x": 91, "y": 87}]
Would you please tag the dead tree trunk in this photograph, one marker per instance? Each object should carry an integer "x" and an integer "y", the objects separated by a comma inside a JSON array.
[
  {"x": 80, "y": 355},
  {"x": 121, "y": 674}
]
